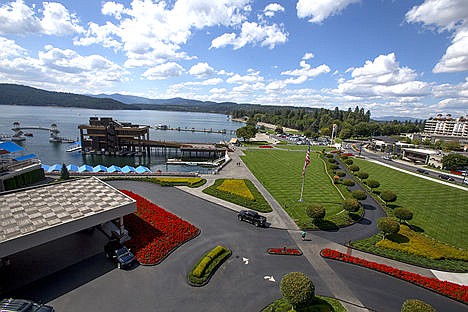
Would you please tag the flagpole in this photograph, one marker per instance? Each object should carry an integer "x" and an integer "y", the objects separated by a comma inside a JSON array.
[
  {"x": 306, "y": 163},
  {"x": 302, "y": 188}
]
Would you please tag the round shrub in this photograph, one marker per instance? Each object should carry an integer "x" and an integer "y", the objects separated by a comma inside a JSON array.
[
  {"x": 403, "y": 214},
  {"x": 354, "y": 168},
  {"x": 333, "y": 166},
  {"x": 359, "y": 195},
  {"x": 297, "y": 289},
  {"x": 363, "y": 175},
  {"x": 329, "y": 155},
  {"x": 340, "y": 174},
  {"x": 348, "y": 162},
  {"x": 351, "y": 205},
  {"x": 331, "y": 160},
  {"x": 388, "y": 226},
  {"x": 415, "y": 305},
  {"x": 344, "y": 157},
  {"x": 315, "y": 211},
  {"x": 348, "y": 182},
  {"x": 373, "y": 184},
  {"x": 388, "y": 196}
]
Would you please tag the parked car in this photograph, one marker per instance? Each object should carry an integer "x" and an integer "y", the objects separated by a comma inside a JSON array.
[
  {"x": 21, "y": 305},
  {"x": 252, "y": 217},
  {"x": 422, "y": 171},
  {"x": 119, "y": 253},
  {"x": 446, "y": 177}
]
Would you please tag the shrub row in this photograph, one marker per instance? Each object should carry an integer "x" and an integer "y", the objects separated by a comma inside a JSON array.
[
  {"x": 207, "y": 265},
  {"x": 166, "y": 181},
  {"x": 24, "y": 179}
]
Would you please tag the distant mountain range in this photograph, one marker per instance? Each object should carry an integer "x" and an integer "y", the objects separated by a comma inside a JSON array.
[{"x": 397, "y": 118}]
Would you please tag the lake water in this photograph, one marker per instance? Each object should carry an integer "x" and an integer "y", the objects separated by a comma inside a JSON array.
[{"x": 68, "y": 119}]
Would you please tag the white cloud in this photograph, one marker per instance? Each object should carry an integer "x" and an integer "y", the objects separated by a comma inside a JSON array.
[
  {"x": 308, "y": 56},
  {"x": 251, "y": 77},
  {"x": 307, "y": 70},
  {"x": 446, "y": 15},
  {"x": 18, "y": 18},
  {"x": 252, "y": 33},
  {"x": 113, "y": 9},
  {"x": 218, "y": 90},
  {"x": 9, "y": 48},
  {"x": 164, "y": 71},
  {"x": 320, "y": 10},
  {"x": 201, "y": 70},
  {"x": 383, "y": 77},
  {"x": 271, "y": 9}
]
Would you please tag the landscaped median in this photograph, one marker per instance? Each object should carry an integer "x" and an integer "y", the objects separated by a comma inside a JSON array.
[
  {"x": 452, "y": 290},
  {"x": 205, "y": 268},
  {"x": 165, "y": 181},
  {"x": 241, "y": 192}
]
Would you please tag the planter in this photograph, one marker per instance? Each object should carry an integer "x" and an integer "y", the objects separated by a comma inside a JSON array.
[{"x": 284, "y": 251}]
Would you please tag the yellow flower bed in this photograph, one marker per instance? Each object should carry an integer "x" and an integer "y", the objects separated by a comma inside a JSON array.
[
  {"x": 421, "y": 245},
  {"x": 236, "y": 187},
  {"x": 179, "y": 180}
]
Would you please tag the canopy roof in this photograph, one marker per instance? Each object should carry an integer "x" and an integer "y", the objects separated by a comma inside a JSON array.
[
  {"x": 26, "y": 157},
  {"x": 10, "y": 147}
]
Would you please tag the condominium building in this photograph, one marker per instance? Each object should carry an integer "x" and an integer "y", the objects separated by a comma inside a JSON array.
[{"x": 447, "y": 126}]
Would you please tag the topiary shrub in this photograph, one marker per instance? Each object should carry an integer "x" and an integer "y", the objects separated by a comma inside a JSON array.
[
  {"x": 329, "y": 155},
  {"x": 363, "y": 175},
  {"x": 331, "y": 160},
  {"x": 348, "y": 162},
  {"x": 351, "y": 205},
  {"x": 388, "y": 196},
  {"x": 64, "y": 174},
  {"x": 344, "y": 157},
  {"x": 316, "y": 212},
  {"x": 348, "y": 182},
  {"x": 340, "y": 174},
  {"x": 359, "y": 195},
  {"x": 388, "y": 226},
  {"x": 354, "y": 168},
  {"x": 415, "y": 305},
  {"x": 333, "y": 166},
  {"x": 373, "y": 184},
  {"x": 297, "y": 289},
  {"x": 403, "y": 214}
]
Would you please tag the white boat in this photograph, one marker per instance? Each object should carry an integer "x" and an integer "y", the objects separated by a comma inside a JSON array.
[{"x": 73, "y": 148}]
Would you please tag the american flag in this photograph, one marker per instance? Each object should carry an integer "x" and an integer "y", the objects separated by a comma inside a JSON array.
[{"x": 307, "y": 161}]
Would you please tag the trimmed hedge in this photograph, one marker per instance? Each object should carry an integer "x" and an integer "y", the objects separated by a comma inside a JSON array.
[
  {"x": 348, "y": 182},
  {"x": 415, "y": 305},
  {"x": 165, "y": 181},
  {"x": 297, "y": 288},
  {"x": 207, "y": 265},
  {"x": 259, "y": 203},
  {"x": 24, "y": 179}
]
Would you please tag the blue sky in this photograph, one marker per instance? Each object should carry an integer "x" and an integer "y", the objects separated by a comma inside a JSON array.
[{"x": 406, "y": 58}]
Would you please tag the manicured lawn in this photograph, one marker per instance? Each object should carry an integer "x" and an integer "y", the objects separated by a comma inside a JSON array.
[
  {"x": 280, "y": 172},
  {"x": 440, "y": 211}
]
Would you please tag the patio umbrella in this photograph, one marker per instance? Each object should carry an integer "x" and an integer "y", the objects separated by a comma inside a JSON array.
[
  {"x": 56, "y": 167},
  {"x": 142, "y": 169},
  {"x": 114, "y": 168},
  {"x": 45, "y": 167},
  {"x": 128, "y": 169},
  {"x": 100, "y": 168},
  {"x": 73, "y": 168},
  {"x": 85, "y": 168}
]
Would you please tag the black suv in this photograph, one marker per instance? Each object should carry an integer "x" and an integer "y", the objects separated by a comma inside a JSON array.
[
  {"x": 121, "y": 254},
  {"x": 446, "y": 177},
  {"x": 21, "y": 305},
  {"x": 422, "y": 171},
  {"x": 252, "y": 217}
]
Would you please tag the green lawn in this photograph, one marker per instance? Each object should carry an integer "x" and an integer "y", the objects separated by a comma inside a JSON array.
[
  {"x": 440, "y": 211},
  {"x": 280, "y": 172}
]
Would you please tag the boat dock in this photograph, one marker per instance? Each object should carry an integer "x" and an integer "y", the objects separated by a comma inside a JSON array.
[{"x": 210, "y": 130}]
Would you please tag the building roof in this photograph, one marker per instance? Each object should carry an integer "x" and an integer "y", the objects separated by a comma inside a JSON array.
[
  {"x": 421, "y": 151},
  {"x": 26, "y": 157},
  {"x": 34, "y": 216},
  {"x": 10, "y": 147}
]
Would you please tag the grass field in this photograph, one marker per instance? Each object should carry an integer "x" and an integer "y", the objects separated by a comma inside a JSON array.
[
  {"x": 440, "y": 211},
  {"x": 280, "y": 172}
]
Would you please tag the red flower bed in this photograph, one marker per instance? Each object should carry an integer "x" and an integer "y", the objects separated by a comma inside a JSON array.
[
  {"x": 284, "y": 251},
  {"x": 265, "y": 146},
  {"x": 154, "y": 231},
  {"x": 452, "y": 290}
]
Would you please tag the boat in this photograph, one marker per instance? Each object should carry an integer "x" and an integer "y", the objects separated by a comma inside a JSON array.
[
  {"x": 73, "y": 148},
  {"x": 28, "y": 134}
]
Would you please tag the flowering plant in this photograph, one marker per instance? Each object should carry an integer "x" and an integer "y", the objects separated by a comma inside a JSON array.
[
  {"x": 155, "y": 232},
  {"x": 284, "y": 251},
  {"x": 265, "y": 146},
  {"x": 452, "y": 290}
]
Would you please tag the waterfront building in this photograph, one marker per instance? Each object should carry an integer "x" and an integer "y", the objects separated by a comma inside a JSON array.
[{"x": 447, "y": 126}]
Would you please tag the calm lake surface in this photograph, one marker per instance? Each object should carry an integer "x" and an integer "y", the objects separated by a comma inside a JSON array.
[{"x": 68, "y": 119}]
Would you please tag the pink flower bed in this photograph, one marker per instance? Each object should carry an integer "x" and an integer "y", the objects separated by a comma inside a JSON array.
[
  {"x": 265, "y": 146},
  {"x": 452, "y": 290},
  {"x": 284, "y": 251}
]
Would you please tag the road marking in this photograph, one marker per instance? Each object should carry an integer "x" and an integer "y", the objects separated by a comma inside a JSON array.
[
  {"x": 269, "y": 278},
  {"x": 246, "y": 261}
]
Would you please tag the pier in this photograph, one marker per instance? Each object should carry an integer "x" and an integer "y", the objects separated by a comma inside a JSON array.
[
  {"x": 19, "y": 135},
  {"x": 210, "y": 130}
]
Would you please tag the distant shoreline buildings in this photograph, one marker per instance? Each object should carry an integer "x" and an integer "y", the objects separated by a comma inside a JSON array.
[{"x": 447, "y": 126}]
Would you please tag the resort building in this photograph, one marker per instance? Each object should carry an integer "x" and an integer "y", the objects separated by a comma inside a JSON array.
[{"x": 447, "y": 126}]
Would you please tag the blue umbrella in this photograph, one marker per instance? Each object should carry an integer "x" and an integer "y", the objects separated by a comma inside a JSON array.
[
  {"x": 45, "y": 167},
  {"x": 85, "y": 168},
  {"x": 114, "y": 168},
  {"x": 72, "y": 168},
  {"x": 142, "y": 169},
  {"x": 100, "y": 168},
  {"x": 56, "y": 167},
  {"x": 128, "y": 169}
]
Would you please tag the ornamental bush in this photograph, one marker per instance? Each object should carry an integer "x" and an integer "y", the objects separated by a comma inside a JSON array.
[
  {"x": 348, "y": 162},
  {"x": 297, "y": 289},
  {"x": 340, "y": 174},
  {"x": 348, "y": 182},
  {"x": 351, "y": 205},
  {"x": 344, "y": 157},
  {"x": 359, "y": 195},
  {"x": 329, "y": 155},
  {"x": 415, "y": 305},
  {"x": 315, "y": 211},
  {"x": 333, "y": 166},
  {"x": 363, "y": 175},
  {"x": 331, "y": 160},
  {"x": 388, "y": 196},
  {"x": 388, "y": 226},
  {"x": 403, "y": 214},
  {"x": 373, "y": 184},
  {"x": 354, "y": 168}
]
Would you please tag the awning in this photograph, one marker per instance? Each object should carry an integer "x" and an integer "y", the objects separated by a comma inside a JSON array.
[
  {"x": 128, "y": 169},
  {"x": 114, "y": 168},
  {"x": 142, "y": 169},
  {"x": 10, "y": 147},
  {"x": 100, "y": 168},
  {"x": 85, "y": 168},
  {"x": 73, "y": 168},
  {"x": 26, "y": 157}
]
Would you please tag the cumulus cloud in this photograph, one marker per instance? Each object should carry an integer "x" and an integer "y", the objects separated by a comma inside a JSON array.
[
  {"x": 252, "y": 33},
  {"x": 446, "y": 15},
  {"x": 163, "y": 71},
  {"x": 271, "y": 9},
  {"x": 320, "y": 10},
  {"x": 19, "y": 19},
  {"x": 383, "y": 77},
  {"x": 201, "y": 70},
  {"x": 251, "y": 77},
  {"x": 9, "y": 48},
  {"x": 307, "y": 71},
  {"x": 308, "y": 56}
]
